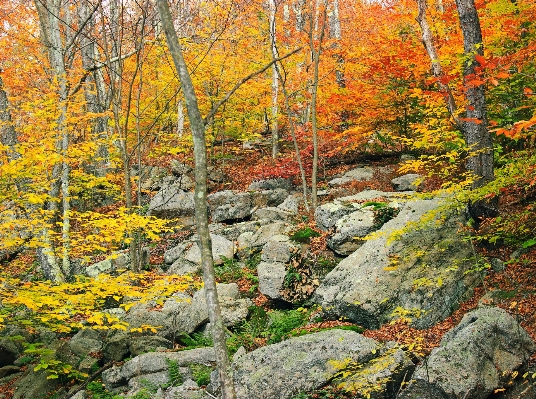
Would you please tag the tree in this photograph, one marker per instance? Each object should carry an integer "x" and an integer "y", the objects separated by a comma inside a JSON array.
[
  {"x": 197, "y": 126},
  {"x": 474, "y": 126}
]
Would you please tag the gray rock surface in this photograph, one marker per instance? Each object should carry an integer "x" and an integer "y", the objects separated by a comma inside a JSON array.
[
  {"x": 229, "y": 205},
  {"x": 280, "y": 248},
  {"x": 183, "y": 266},
  {"x": 407, "y": 182},
  {"x": 477, "y": 356},
  {"x": 221, "y": 246},
  {"x": 179, "y": 168},
  {"x": 350, "y": 231},
  {"x": 155, "y": 362},
  {"x": 423, "y": 271},
  {"x": 172, "y": 254},
  {"x": 251, "y": 242},
  {"x": 298, "y": 364},
  {"x": 291, "y": 203},
  {"x": 362, "y": 173},
  {"x": 271, "y": 214},
  {"x": 9, "y": 352},
  {"x": 326, "y": 215},
  {"x": 172, "y": 202},
  {"x": 382, "y": 377},
  {"x": 271, "y": 278},
  {"x": 271, "y": 184}
]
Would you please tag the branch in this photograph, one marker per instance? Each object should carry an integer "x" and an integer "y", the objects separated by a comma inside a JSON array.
[
  {"x": 97, "y": 67},
  {"x": 215, "y": 108},
  {"x": 79, "y": 30}
]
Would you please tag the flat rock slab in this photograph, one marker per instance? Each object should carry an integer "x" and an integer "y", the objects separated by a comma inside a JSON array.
[
  {"x": 414, "y": 266},
  {"x": 299, "y": 364}
]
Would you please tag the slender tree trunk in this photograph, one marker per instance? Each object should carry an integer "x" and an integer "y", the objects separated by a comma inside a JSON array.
[
  {"x": 49, "y": 19},
  {"x": 437, "y": 70},
  {"x": 314, "y": 92},
  {"x": 8, "y": 134},
  {"x": 197, "y": 126},
  {"x": 275, "y": 81}
]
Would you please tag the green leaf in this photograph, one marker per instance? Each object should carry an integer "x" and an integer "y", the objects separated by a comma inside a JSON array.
[{"x": 529, "y": 243}]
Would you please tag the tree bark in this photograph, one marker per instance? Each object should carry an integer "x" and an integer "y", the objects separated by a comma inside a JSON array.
[
  {"x": 197, "y": 126},
  {"x": 475, "y": 123},
  {"x": 437, "y": 70},
  {"x": 8, "y": 134},
  {"x": 275, "y": 81}
]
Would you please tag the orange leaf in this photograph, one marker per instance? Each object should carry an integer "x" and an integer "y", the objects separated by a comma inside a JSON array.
[
  {"x": 494, "y": 82},
  {"x": 502, "y": 75},
  {"x": 476, "y": 82},
  {"x": 481, "y": 60},
  {"x": 527, "y": 91}
]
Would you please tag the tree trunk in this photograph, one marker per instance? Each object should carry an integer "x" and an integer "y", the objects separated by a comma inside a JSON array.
[
  {"x": 49, "y": 19},
  {"x": 8, "y": 134},
  {"x": 275, "y": 81},
  {"x": 197, "y": 126},
  {"x": 475, "y": 123},
  {"x": 437, "y": 70}
]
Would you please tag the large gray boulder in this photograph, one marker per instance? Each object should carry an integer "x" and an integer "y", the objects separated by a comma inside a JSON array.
[
  {"x": 233, "y": 205},
  {"x": 250, "y": 242},
  {"x": 172, "y": 202},
  {"x": 229, "y": 205},
  {"x": 156, "y": 364},
  {"x": 271, "y": 277},
  {"x": 298, "y": 364},
  {"x": 221, "y": 247},
  {"x": 327, "y": 215},
  {"x": 414, "y": 267},
  {"x": 408, "y": 182},
  {"x": 360, "y": 173},
  {"x": 350, "y": 231},
  {"x": 271, "y": 184},
  {"x": 184, "y": 314},
  {"x": 474, "y": 358}
]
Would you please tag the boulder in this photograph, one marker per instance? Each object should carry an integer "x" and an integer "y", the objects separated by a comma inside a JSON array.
[
  {"x": 382, "y": 377},
  {"x": 350, "y": 231},
  {"x": 151, "y": 343},
  {"x": 299, "y": 364},
  {"x": 474, "y": 358},
  {"x": 326, "y": 215},
  {"x": 271, "y": 214},
  {"x": 179, "y": 168},
  {"x": 251, "y": 242},
  {"x": 172, "y": 202},
  {"x": 229, "y": 205},
  {"x": 271, "y": 184},
  {"x": 271, "y": 278},
  {"x": 172, "y": 254},
  {"x": 280, "y": 248},
  {"x": 184, "y": 314},
  {"x": 409, "y": 182},
  {"x": 183, "y": 266},
  {"x": 361, "y": 173},
  {"x": 154, "y": 363},
  {"x": 291, "y": 203},
  {"x": 118, "y": 261},
  {"x": 414, "y": 267},
  {"x": 9, "y": 352},
  {"x": 221, "y": 246}
]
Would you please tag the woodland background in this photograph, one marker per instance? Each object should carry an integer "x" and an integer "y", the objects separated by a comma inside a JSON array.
[{"x": 89, "y": 94}]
